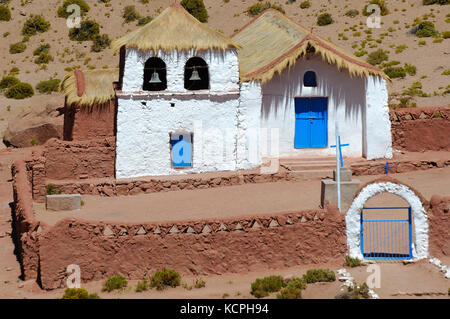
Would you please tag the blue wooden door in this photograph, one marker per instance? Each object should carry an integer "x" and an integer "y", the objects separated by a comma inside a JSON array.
[{"x": 311, "y": 122}]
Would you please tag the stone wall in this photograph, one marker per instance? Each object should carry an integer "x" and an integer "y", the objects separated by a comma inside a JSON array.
[
  {"x": 439, "y": 226},
  {"x": 402, "y": 166},
  {"x": 80, "y": 159},
  {"x": 421, "y": 129},
  {"x": 25, "y": 227},
  {"x": 199, "y": 247}
]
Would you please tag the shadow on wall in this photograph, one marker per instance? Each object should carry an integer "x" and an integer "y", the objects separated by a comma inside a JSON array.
[{"x": 341, "y": 89}]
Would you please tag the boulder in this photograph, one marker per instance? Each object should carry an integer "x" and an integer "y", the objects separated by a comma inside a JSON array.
[{"x": 35, "y": 126}]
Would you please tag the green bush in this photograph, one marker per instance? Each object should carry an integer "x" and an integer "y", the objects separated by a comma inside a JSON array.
[
  {"x": 261, "y": 288},
  {"x": 426, "y": 29},
  {"x": 62, "y": 11},
  {"x": 20, "y": 91},
  {"x": 100, "y": 42},
  {"x": 43, "y": 58},
  {"x": 18, "y": 47},
  {"x": 114, "y": 283},
  {"x": 305, "y": 4},
  {"x": 5, "y": 13},
  {"x": 35, "y": 24},
  {"x": 410, "y": 69},
  {"x": 319, "y": 275},
  {"x": 8, "y": 81},
  {"x": 378, "y": 56},
  {"x": 52, "y": 189},
  {"x": 43, "y": 48},
  {"x": 196, "y": 8},
  {"x": 445, "y": 34},
  {"x": 380, "y": 3},
  {"x": 87, "y": 31},
  {"x": 142, "y": 285},
  {"x": 259, "y": 7},
  {"x": 293, "y": 290},
  {"x": 324, "y": 19},
  {"x": 352, "y": 13},
  {"x": 395, "y": 72},
  {"x": 165, "y": 277},
  {"x": 352, "y": 262},
  {"x": 48, "y": 86},
  {"x": 144, "y": 20},
  {"x": 78, "y": 293},
  {"x": 441, "y": 2},
  {"x": 130, "y": 14}
]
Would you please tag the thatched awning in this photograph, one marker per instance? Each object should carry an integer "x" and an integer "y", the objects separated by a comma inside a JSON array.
[
  {"x": 89, "y": 87},
  {"x": 272, "y": 42},
  {"x": 175, "y": 29}
]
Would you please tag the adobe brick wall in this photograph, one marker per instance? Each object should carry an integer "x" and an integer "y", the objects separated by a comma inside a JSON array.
[
  {"x": 305, "y": 237},
  {"x": 26, "y": 227},
  {"x": 421, "y": 129},
  {"x": 93, "y": 122},
  {"x": 439, "y": 226},
  {"x": 402, "y": 166},
  {"x": 80, "y": 159}
]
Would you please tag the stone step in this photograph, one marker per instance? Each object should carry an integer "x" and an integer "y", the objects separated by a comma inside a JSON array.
[
  {"x": 312, "y": 174},
  {"x": 288, "y": 160},
  {"x": 311, "y": 166}
]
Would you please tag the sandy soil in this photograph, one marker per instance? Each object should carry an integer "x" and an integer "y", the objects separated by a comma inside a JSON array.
[{"x": 429, "y": 59}]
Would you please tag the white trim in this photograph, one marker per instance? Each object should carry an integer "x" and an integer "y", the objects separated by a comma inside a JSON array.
[{"x": 420, "y": 219}]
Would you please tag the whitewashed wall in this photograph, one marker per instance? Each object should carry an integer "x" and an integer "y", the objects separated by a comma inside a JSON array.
[
  {"x": 377, "y": 125},
  {"x": 248, "y": 150},
  {"x": 346, "y": 101},
  {"x": 143, "y": 142},
  {"x": 223, "y": 69}
]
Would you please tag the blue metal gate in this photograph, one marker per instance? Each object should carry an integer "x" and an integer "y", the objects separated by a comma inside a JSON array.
[{"x": 386, "y": 238}]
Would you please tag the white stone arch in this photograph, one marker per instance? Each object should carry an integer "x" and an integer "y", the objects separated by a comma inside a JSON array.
[{"x": 420, "y": 219}]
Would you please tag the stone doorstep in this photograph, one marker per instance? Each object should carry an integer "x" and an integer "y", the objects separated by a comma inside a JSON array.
[{"x": 63, "y": 202}]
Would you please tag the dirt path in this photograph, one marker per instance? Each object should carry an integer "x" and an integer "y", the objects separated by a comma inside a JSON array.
[{"x": 231, "y": 201}]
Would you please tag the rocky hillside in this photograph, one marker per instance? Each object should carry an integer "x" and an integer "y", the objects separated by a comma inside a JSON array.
[{"x": 419, "y": 65}]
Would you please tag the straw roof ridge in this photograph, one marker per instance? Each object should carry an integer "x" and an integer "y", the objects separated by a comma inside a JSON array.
[
  {"x": 98, "y": 86},
  {"x": 175, "y": 29},
  {"x": 287, "y": 42}
]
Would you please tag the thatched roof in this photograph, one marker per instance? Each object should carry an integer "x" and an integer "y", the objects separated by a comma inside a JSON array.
[
  {"x": 89, "y": 87},
  {"x": 272, "y": 42},
  {"x": 175, "y": 29}
]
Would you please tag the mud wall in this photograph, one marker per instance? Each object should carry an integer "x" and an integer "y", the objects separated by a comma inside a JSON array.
[
  {"x": 421, "y": 129},
  {"x": 93, "y": 122},
  {"x": 79, "y": 159},
  {"x": 198, "y": 247},
  {"x": 26, "y": 227},
  {"x": 439, "y": 226}
]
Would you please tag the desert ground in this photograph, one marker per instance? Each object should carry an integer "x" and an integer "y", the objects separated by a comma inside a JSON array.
[
  {"x": 398, "y": 280},
  {"x": 431, "y": 58}
]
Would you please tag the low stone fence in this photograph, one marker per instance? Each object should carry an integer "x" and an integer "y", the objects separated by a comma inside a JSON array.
[
  {"x": 375, "y": 168},
  {"x": 25, "y": 227},
  {"x": 192, "y": 247},
  {"x": 421, "y": 129}
]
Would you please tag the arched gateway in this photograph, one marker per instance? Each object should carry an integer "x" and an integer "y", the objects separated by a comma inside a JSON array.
[{"x": 419, "y": 246}]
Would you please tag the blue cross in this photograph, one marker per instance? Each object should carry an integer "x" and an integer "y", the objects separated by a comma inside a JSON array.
[
  {"x": 387, "y": 167},
  {"x": 340, "y": 149}
]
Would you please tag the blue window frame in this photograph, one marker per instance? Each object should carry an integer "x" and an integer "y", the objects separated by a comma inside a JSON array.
[
  {"x": 309, "y": 79},
  {"x": 181, "y": 150}
]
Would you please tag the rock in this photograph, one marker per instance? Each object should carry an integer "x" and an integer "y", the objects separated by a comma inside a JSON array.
[
  {"x": 37, "y": 124},
  {"x": 21, "y": 285},
  {"x": 8, "y": 269}
]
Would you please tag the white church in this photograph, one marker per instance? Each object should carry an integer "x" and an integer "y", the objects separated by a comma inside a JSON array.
[{"x": 192, "y": 100}]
